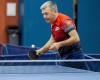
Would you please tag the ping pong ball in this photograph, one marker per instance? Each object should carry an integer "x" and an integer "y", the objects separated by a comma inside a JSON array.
[{"x": 33, "y": 46}]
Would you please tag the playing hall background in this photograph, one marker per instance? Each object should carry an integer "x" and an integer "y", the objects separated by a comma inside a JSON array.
[{"x": 32, "y": 28}]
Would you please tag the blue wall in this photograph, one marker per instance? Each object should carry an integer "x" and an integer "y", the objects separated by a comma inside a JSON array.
[
  {"x": 34, "y": 29},
  {"x": 89, "y": 25}
]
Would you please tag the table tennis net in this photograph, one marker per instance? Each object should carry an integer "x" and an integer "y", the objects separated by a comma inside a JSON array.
[{"x": 48, "y": 66}]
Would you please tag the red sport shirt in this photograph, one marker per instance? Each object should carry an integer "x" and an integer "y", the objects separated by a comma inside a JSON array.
[{"x": 59, "y": 28}]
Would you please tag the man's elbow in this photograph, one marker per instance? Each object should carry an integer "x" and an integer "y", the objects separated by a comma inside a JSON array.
[{"x": 77, "y": 40}]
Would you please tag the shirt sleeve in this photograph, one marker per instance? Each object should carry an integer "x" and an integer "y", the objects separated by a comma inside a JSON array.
[{"x": 68, "y": 28}]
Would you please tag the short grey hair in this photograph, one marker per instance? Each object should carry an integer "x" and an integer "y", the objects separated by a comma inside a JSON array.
[{"x": 52, "y": 5}]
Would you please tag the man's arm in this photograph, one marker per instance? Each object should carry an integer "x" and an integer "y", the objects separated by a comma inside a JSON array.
[
  {"x": 74, "y": 37},
  {"x": 45, "y": 48}
]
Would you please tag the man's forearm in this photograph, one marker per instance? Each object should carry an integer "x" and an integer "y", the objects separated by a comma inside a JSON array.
[
  {"x": 45, "y": 48},
  {"x": 74, "y": 38},
  {"x": 68, "y": 42}
]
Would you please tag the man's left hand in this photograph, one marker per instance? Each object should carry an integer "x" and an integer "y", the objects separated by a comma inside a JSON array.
[{"x": 55, "y": 46}]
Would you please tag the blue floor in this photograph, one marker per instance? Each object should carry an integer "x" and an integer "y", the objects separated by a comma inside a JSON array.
[
  {"x": 46, "y": 73},
  {"x": 63, "y": 76}
]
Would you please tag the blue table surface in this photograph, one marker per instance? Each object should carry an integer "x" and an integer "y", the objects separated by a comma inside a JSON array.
[{"x": 46, "y": 72}]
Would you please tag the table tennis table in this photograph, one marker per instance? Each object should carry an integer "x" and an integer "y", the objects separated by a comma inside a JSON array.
[{"x": 45, "y": 72}]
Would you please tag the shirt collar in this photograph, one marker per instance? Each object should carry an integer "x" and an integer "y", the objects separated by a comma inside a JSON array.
[{"x": 55, "y": 21}]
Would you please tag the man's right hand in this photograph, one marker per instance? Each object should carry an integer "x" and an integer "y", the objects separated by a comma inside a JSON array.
[{"x": 33, "y": 54}]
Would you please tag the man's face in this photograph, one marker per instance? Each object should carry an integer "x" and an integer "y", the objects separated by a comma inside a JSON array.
[{"x": 48, "y": 15}]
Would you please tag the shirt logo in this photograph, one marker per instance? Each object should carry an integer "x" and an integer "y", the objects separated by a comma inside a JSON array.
[{"x": 57, "y": 29}]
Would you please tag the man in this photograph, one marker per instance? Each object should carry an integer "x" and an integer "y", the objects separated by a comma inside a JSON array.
[{"x": 64, "y": 37}]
